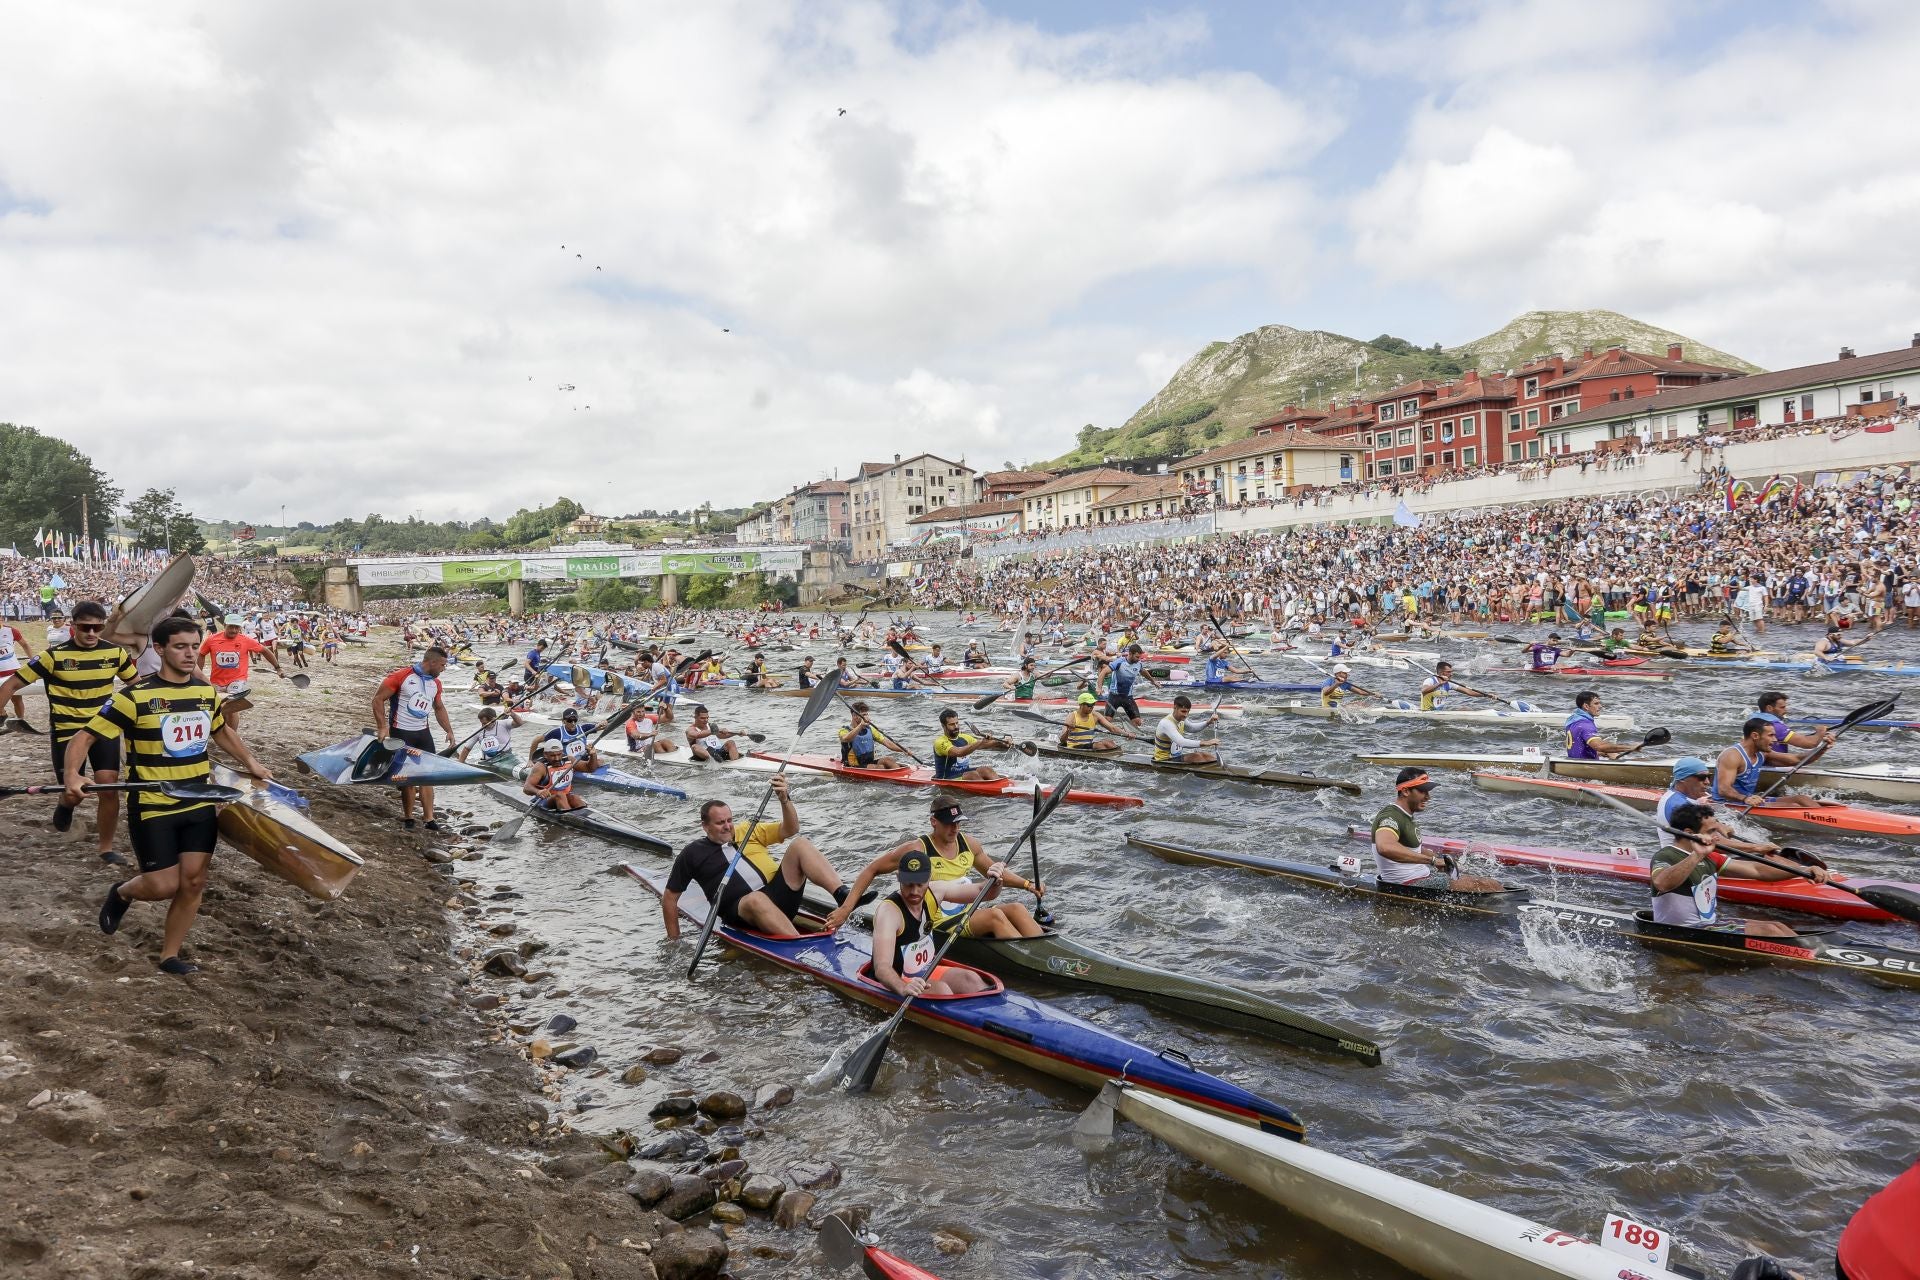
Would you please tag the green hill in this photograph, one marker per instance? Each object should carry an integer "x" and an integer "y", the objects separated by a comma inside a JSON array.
[{"x": 1226, "y": 387}]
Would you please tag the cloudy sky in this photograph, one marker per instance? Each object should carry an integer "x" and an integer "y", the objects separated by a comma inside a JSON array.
[{"x": 312, "y": 254}]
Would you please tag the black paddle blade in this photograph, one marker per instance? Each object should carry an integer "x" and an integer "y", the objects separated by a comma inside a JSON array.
[
  {"x": 838, "y": 1243},
  {"x": 201, "y": 791},
  {"x": 1872, "y": 711},
  {"x": 820, "y": 699},
  {"x": 863, "y": 1065},
  {"x": 1904, "y": 903},
  {"x": 900, "y": 649},
  {"x": 1025, "y": 714},
  {"x": 1658, "y": 737}
]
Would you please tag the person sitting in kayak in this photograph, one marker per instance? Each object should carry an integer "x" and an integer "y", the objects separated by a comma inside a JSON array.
[
  {"x": 1689, "y": 784},
  {"x": 904, "y": 941},
  {"x": 551, "y": 778},
  {"x": 1787, "y": 746},
  {"x": 1545, "y": 656},
  {"x": 1685, "y": 879},
  {"x": 1615, "y": 645},
  {"x": 849, "y": 678},
  {"x": 1171, "y": 745},
  {"x": 1084, "y": 725},
  {"x": 1437, "y": 686},
  {"x": 764, "y": 893},
  {"x": 487, "y": 685},
  {"x": 1341, "y": 686},
  {"x": 975, "y": 656},
  {"x": 1583, "y": 731},
  {"x": 953, "y": 747},
  {"x": 644, "y": 737},
  {"x": 708, "y": 741},
  {"x": 495, "y": 739},
  {"x": 1398, "y": 857},
  {"x": 1736, "y": 776},
  {"x": 1725, "y": 640},
  {"x": 953, "y": 857},
  {"x": 1219, "y": 666},
  {"x": 1833, "y": 646},
  {"x": 572, "y": 737},
  {"x": 859, "y": 742},
  {"x": 1022, "y": 683},
  {"x": 804, "y": 676},
  {"x": 755, "y": 676}
]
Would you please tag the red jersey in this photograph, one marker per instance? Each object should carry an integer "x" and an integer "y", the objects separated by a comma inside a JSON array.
[
  {"x": 1879, "y": 1243},
  {"x": 230, "y": 658}
]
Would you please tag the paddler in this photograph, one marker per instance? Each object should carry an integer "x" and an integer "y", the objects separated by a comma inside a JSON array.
[
  {"x": 1833, "y": 646},
  {"x": 1545, "y": 656},
  {"x": 1084, "y": 724},
  {"x": 708, "y": 741},
  {"x": 1171, "y": 745},
  {"x": 1437, "y": 686},
  {"x": 551, "y": 778},
  {"x": 975, "y": 656},
  {"x": 571, "y": 734},
  {"x": 1022, "y": 683},
  {"x": 1685, "y": 879},
  {"x": 904, "y": 941},
  {"x": 764, "y": 894},
  {"x": 953, "y": 748},
  {"x": 487, "y": 685},
  {"x": 405, "y": 706},
  {"x": 1398, "y": 857},
  {"x": 1219, "y": 668},
  {"x": 953, "y": 856},
  {"x": 1788, "y": 746},
  {"x": 859, "y": 741},
  {"x": 1583, "y": 731},
  {"x": 1726, "y": 640},
  {"x": 1340, "y": 685},
  {"x": 495, "y": 740},
  {"x": 1615, "y": 644},
  {"x": 804, "y": 676},
  {"x": 535, "y": 663},
  {"x": 1689, "y": 784},
  {"x": 643, "y": 734},
  {"x": 1736, "y": 778},
  {"x": 664, "y": 686}
]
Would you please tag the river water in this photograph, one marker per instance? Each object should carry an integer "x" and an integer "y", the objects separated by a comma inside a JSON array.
[{"x": 1552, "y": 1076}]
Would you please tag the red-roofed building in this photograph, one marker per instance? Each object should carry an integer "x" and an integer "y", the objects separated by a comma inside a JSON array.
[
  {"x": 1010, "y": 484},
  {"x": 1397, "y": 442}
]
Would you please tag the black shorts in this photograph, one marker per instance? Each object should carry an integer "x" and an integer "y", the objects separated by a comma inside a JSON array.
[
  {"x": 1124, "y": 702},
  {"x": 103, "y": 754},
  {"x": 421, "y": 738},
  {"x": 159, "y": 841},
  {"x": 783, "y": 896}
]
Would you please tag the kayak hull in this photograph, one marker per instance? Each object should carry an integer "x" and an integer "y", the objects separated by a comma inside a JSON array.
[
  {"x": 409, "y": 767},
  {"x": 1399, "y": 709},
  {"x": 1840, "y": 819},
  {"x": 913, "y": 776},
  {"x": 1222, "y": 773},
  {"x": 1898, "y": 784},
  {"x": 590, "y": 821},
  {"x": 269, "y": 828},
  {"x": 606, "y": 778}
]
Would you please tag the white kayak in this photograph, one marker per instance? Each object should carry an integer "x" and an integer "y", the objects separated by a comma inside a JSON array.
[
  {"x": 682, "y": 759},
  {"x": 1357, "y": 711},
  {"x": 1431, "y": 1232},
  {"x": 1895, "y": 783}
]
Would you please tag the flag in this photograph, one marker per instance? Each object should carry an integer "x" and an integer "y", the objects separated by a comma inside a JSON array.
[
  {"x": 1405, "y": 516},
  {"x": 1735, "y": 488},
  {"x": 1775, "y": 490}
]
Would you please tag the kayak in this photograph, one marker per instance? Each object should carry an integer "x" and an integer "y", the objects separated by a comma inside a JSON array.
[
  {"x": 915, "y": 776},
  {"x": 269, "y": 825},
  {"x": 1401, "y": 709},
  {"x": 1623, "y": 864},
  {"x": 1016, "y": 1027},
  {"x": 1806, "y": 949},
  {"x": 1226, "y": 710},
  {"x": 590, "y": 820},
  {"x": 1895, "y": 783},
  {"x": 1837, "y": 819},
  {"x": 605, "y": 776},
  {"x": 1429, "y": 1231},
  {"x": 1221, "y": 772},
  {"x": 1244, "y": 686},
  {"x": 409, "y": 767},
  {"x": 1804, "y": 665},
  {"x": 1635, "y": 674},
  {"x": 683, "y": 759}
]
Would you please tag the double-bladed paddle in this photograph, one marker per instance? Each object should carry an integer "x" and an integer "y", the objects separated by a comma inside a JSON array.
[
  {"x": 987, "y": 700},
  {"x": 863, "y": 1066},
  {"x": 1659, "y": 736},
  {"x": 817, "y": 703},
  {"x": 528, "y": 694},
  {"x": 886, "y": 737},
  {"x": 1871, "y": 711},
  {"x": 172, "y": 790},
  {"x": 1214, "y": 618}
]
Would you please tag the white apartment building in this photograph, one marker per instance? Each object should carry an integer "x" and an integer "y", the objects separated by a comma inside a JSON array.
[{"x": 884, "y": 496}]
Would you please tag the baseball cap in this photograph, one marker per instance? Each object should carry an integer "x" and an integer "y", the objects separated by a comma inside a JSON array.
[
  {"x": 915, "y": 868},
  {"x": 571, "y": 713},
  {"x": 1690, "y": 767},
  {"x": 946, "y": 811},
  {"x": 551, "y": 747},
  {"x": 1087, "y": 699},
  {"x": 233, "y": 620},
  {"x": 1342, "y": 669}
]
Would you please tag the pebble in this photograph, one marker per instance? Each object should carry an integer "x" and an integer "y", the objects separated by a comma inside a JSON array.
[
  {"x": 730, "y": 1213},
  {"x": 505, "y": 929},
  {"x": 633, "y": 1075},
  {"x": 762, "y": 1191},
  {"x": 725, "y": 1171},
  {"x": 675, "y": 1107},
  {"x": 678, "y": 1144},
  {"x": 491, "y": 1000},
  {"x": 650, "y": 1182},
  {"x": 539, "y": 1049},
  {"x": 769, "y": 1096},
  {"x": 710, "y": 1056},
  {"x": 531, "y": 948},
  {"x": 793, "y": 1209},
  {"x": 722, "y": 1105}
]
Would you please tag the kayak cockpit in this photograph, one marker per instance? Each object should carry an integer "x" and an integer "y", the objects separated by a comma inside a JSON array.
[{"x": 994, "y": 986}]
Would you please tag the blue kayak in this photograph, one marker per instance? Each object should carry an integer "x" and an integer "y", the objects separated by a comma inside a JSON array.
[
  {"x": 349, "y": 764},
  {"x": 606, "y": 776},
  {"x": 1014, "y": 1026},
  {"x": 1241, "y": 686}
]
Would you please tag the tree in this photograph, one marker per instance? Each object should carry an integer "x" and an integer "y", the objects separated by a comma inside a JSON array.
[
  {"x": 1179, "y": 442},
  {"x": 42, "y": 482}
]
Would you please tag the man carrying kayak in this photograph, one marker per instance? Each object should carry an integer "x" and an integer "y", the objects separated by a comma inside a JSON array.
[
  {"x": 953, "y": 748},
  {"x": 405, "y": 706},
  {"x": 1397, "y": 855},
  {"x": 1583, "y": 731},
  {"x": 1787, "y": 746},
  {"x": 764, "y": 894},
  {"x": 551, "y": 779},
  {"x": 904, "y": 942},
  {"x": 953, "y": 856},
  {"x": 1171, "y": 745},
  {"x": 1736, "y": 777},
  {"x": 860, "y": 742},
  {"x": 1685, "y": 879},
  {"x": 1084, "y": 725},
  {"x": 708, "y": 741}
]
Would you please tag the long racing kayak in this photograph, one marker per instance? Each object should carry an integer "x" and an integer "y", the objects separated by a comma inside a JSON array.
[
  {"x": 269, "y": 825},
  {"x": 1635, "y": 674},
  {"x": 589, "y": 820},
  {"x": 1431, "y": 1232},
  {"x": 1807, "y": 949},
  {"x": 1242, "y": 686},
  {"x": 1220, "y": 772},
  {"x": 1016, "y": 1027},
  {"x": 1836, "y": 819},
  {"x": 915, "y": 776},
  {"x": 1896, "y": 783},
  {"x": 606, "y": 777},
  {"x": 407, "y": 767},
  {"x": 1400, "y": 709}
]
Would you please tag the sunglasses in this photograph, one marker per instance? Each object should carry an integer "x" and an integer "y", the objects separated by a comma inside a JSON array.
[{"x": 89, "y": 626}]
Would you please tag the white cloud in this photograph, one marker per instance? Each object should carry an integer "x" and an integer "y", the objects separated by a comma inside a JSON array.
[{"x": 285, "y": 253}]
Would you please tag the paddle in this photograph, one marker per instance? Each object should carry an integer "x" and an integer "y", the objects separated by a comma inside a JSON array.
[
  {"x": 1123, "y": 731},
  {"x": 171, "y": 790},
  {"x": 817, "y": 703},
  {"x": 1871, "y": 711},
  {"x": 1656, "y": 737},
  {"x": 527, "y": 694},
  {"x": 982, "y": 703},
  {"x": 841, "y": 1246},
  {"x": 1041, "y": 916},
  {"x": 887, "y": 738},
  {"x": 1891, "y": 899},
  {"x": 863, "y": 1066},
  {"x": 1214, "y": 618},
  {"x": 908, "y": 658},
  {"x": 1472, "y": 692}
]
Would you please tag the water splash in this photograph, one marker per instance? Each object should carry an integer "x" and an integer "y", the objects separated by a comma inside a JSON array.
[
  {"x": 1567, "y": 953},
  {"x": 830, "y": 1071}
]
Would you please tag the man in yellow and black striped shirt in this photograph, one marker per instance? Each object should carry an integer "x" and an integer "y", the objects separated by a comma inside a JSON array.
[
  {"x": 168, "y": 721},
  {"x": 79, "y": 675}
]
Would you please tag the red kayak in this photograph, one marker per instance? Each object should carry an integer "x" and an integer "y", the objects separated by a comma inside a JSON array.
[
  {"x": 1783, "y": 895},
  {"x": 1607, "y": 672},
  {"x": 914, "y": 776},
  {"x": 1829, "y": 819}
]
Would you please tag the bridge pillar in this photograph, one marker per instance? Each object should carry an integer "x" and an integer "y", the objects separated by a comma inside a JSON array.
[
  {"x": 669, "y": 589},
  {"x": 516, "y": 597},
  {"x": 340, "y": 588}
]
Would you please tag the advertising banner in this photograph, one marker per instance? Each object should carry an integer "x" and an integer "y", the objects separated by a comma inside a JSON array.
[
  {"x": 400, "y": 573},
  {"x": 550, "y": 569},
  {"x": 729, "y": 561},
  {"x": 478, "y": 570},
  {"x": 579, "y": 567}
]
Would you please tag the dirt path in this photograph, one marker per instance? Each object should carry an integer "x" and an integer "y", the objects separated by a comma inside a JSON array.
[{"x": 319, "y": 1101}]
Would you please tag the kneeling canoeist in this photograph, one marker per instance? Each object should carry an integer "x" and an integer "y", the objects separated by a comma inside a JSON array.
[
  {"x": 1686, "y": 879},
  {"x": 551, "y": 778},
  {"x": 953, "y": 748},
  {"x": 904, "y": 941},
  {"x": 764, "y": 894},
  {"x": 1736, "y": 776},
  {"x": 708, "y": 741},
  {"x": 859, "y": 742},
  {"x": 495, "y": 739},
  {"x": 1084, "y": 723},
  {"x": 953, "y": 856},
  {"x": 1397, "y": 855},
  {"x": 1583, "y": 731},
  {"x": 1171, "y": 745}
]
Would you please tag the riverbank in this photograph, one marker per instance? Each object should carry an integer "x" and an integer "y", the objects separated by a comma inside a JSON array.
[{"x": 323, "y": 1099}]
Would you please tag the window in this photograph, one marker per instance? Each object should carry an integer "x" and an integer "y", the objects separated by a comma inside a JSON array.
[
  {"x": 1513, "y": 422},
  {"x": 1426, "y": 460},
  {"x": 1409, "y": 408},
  {"x": 1467, "y": 425},
  {"x": 1386, "y": 413},
  {"x": 1466, "y": 456},
  {"x": 909, "y": 470},
  {"x": 1533, "y": 448},
  {"x": 1384, "y": 440},
  {"x": 1866, "y": 395},
  {"x": 1406, "y": 435},
  {"x": 1406, "y": 465},
  {"x": 1806, "y": 408},
  {"x": 1533, "y": 417},
  {"x": 1426, "y": 434},
  {"x": 1787, "y": 407},
  {"x": 1446, "y": 457},
  {"x": 1530, "y": 388},
  {"x": 1613, "y": 395},
  {"x": 1627, "y": 394},
  {"x": 1446, "y": 433},
  {"x": 1513, "y": 452}
]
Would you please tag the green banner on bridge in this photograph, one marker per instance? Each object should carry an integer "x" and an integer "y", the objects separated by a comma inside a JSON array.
[
  {"x": 480, "y": 570},
  {"x": 720, "y": 561},
  {"x": 579, "y": 567}
]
